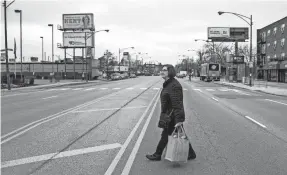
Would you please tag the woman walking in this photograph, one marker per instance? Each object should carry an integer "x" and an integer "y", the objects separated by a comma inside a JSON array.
[{"x": 171, "y": 104}]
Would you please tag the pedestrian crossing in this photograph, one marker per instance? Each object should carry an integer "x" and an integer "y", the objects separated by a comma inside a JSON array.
[
  {"x": 105, "y": 88},
  {"x": 221, "y": 90},
  {"x": 102, "y": 89}
]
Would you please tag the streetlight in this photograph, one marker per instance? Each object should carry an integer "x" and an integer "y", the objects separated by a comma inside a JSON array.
[
  {"x": 42, "y": 52},
  {"x": 250, "y": 24},
  {"x": 120, "y": 54},
  {"x": 20, "y": 11},
  {"x": 51, "y": 25},
  {"x": 6, "y": 42},
  {"x": 86, "y": 38}
]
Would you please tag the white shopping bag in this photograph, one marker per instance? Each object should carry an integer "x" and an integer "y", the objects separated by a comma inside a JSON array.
[{"x": 177, "y": 146}]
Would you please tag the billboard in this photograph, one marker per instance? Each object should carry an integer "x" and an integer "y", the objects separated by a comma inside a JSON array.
[
  {"x": 78, "y": 39},
  {"x": 78, "y": 21},
  {"x": 218, "y": 32},
  {"x": 228, "y": 34}
]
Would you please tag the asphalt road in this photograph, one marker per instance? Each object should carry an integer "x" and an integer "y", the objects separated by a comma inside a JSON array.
[{"x": 115, "y": 126}]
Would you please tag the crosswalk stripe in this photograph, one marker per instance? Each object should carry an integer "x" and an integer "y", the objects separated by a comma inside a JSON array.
[
  {"x": 77, "y": 89},
  {"x": 116, "y": 88},
  {"x": 104, "y": 88},
  {"x": 64, "y": 89},
  {"x": 155, "y": 88},
  {"x": 90, "y": 89},
  {"x": 210, "y": 89}
]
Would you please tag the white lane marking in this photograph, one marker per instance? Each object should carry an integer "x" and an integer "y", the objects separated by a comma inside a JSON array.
[
  {"x": 59, "y": 155},
  {"x": 109, "y": 109},
  {"x": 116, "y": 88},
  {"x": 184, "y": 89},
  {"x": 64, "y": 89},
  {"x": 210, "y": 89},
  {"x": 47, "y": 119},
  {"x": 215, "y": 99},
  {"x": 50, "y": 97},
  {"x": 89, "y": 89},
  {"x": 77, "y": 89},
  {"x": 52, "y": 90},
  {"x": 198, "y": 90},
  {"x": 143, "y": 88},
  {"x": 277, "y": 102},
  {"x": 133, "y": 154},
  {"x": 240, "y": 92},
  {"x": 130, "y": 88},
  {"x": 263, "y": 126},
  {"x": 155, "y": 88},
  {"x": 104, "y": 88},
  {"x": 114, "y": 163},
  {"x": 224, "y": 90}
]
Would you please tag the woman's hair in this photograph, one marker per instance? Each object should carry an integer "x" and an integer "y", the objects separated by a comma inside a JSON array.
[
  {"x": 83, "y": 19},
  {"x": 171, "y": 70}
]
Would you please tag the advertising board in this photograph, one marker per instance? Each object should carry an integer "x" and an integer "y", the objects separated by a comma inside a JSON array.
[
  {"x": 218, "y": 32},
  {"x": 78, "y": 21},
  {"x": 228, "y": 34},
  {"x": 78, "y": 39}
]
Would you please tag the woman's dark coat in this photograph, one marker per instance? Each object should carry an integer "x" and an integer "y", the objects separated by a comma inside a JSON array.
[{"x": 172, "y": 98}]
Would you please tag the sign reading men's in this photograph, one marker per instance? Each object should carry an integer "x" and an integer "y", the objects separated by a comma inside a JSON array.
[{"x": 78, "y": 21}]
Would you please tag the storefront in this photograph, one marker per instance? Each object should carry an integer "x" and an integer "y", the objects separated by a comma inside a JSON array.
[
  {"x": 283, "y": 72},
  {"x": 271, "y": 71}
]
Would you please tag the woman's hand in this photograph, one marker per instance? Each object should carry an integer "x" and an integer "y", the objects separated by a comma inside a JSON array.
[{"x": 178, "y": 124}]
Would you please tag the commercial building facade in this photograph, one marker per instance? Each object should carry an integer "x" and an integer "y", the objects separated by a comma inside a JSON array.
[{"x": 272, "y": 51}]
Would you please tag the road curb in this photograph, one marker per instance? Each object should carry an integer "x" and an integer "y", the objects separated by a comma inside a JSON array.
[{"x": 252, "y": 90}]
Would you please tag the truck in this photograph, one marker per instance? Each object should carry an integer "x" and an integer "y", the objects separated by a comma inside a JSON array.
[{"x": 210, "y": 71}]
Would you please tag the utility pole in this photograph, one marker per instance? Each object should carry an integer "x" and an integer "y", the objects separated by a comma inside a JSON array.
[{"x": 65, "y": 57}]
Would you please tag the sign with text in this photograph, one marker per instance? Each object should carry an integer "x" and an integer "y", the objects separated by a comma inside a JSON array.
[
  {"x": 78, "y": 39},
  {"x": 78, "y": 21},
  {"x": 218, "y": 32},
  {"x": 228, "y": 34}
]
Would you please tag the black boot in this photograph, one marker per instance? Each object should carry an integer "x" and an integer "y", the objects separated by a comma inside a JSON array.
[
  {"x": 154, "y": 157},
  {"x": 191, "y": 153}
]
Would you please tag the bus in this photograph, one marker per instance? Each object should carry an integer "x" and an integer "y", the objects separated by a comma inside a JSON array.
[{"x": 210, "y": 71}]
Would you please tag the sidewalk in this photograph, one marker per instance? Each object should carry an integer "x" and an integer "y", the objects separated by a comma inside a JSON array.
[{"x": 266, "y": 87}]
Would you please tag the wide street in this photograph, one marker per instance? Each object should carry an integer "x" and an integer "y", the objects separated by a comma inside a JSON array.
[{"x": 108, "y": 128}]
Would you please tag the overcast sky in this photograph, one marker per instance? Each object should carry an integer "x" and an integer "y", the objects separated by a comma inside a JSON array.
[{"x": 162, "y": 28}]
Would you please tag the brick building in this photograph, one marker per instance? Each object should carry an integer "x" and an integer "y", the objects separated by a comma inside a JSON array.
[{"x": 272, "y": 51}]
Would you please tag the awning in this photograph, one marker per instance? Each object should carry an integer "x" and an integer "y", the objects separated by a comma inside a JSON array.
[
  {"x": 271, "y": 65},
  {"x": 283, "y": 65}
]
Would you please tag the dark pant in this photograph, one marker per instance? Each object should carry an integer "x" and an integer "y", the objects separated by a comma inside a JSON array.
[{"x": 164, "y": 139}]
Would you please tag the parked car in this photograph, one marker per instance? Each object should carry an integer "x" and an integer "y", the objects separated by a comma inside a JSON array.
[
  {"x": 116, "y": 76},
  {"x": 124, "y": 75},
  {"x": 133, "y": 76}
]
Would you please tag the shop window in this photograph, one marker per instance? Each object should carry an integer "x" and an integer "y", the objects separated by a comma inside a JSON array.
[
  {"x": 268, "y": 33},
  {"x": 282, "y": 42},
  {"x": 282, "y": 56},
  {"x": 268, "y": 59},
  {"x": 274, "y": 31},
  {"x": 263, "y": 36},
  {"x": 282, "y": 28},
  {"x": 274, "y": 44}
]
